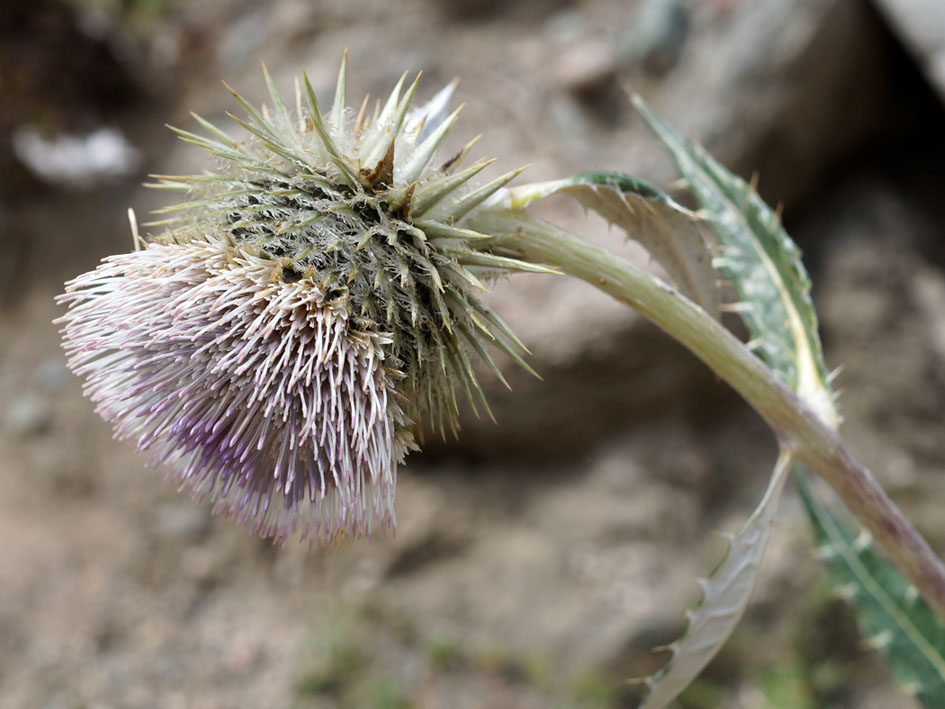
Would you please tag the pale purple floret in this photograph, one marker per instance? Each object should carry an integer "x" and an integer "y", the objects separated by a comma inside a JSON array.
[
  {"x": 259, "y": 393},
  {"x": 310, "y": 304}
]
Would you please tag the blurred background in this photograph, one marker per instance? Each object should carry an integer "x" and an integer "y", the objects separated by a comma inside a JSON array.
[{"x": 537, "y": 561}]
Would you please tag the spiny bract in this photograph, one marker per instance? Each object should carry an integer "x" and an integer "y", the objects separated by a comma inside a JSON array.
[{"x": 277, "y": 345}]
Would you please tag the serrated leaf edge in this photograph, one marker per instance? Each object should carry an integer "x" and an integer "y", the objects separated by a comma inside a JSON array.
[
  {"x": 867, "y": 581},
  {"x": 813, "y": 386},
  {"x": 698, "y": 646},
  {"x": 639, "y": 209},
  {"x": 810, "y": 381}
]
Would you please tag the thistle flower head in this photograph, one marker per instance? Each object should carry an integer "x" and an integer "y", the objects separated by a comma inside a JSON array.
[{"x": 307, "y": 306}]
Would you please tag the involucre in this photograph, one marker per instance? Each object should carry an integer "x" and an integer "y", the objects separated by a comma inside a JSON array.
[{"x": 303, "y": 312}]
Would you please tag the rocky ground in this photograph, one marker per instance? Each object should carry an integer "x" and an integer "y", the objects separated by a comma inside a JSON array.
[{"x": 537, "y": 561}]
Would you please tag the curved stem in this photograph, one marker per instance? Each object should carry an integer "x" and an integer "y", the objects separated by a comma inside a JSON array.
[{"x": 816, "y": 444}]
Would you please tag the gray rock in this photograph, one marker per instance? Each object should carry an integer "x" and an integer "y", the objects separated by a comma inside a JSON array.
[
  {"x": 758, "y": 88},
  {"x": 659, "y": 35},
  {"x": 52, "y": 373},
  {"x": 184, "y": 520},
  {"x": 929, "y": 294},
  {"x": 921, "y": 25},
  {"x": 584, "y": 67},
  {"x": 26, "y": 414},
  {"x": 880, "y": 313},
  {"x": 243, "y": 38}
]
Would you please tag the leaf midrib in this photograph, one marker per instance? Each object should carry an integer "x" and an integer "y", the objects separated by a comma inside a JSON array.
[{"x": 883, "y": 599}]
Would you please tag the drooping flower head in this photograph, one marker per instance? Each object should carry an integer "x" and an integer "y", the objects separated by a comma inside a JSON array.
[{"x": 309, "y": 304}]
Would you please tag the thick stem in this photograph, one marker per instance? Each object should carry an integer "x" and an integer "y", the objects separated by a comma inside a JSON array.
[{"x": 796, "y": 425}]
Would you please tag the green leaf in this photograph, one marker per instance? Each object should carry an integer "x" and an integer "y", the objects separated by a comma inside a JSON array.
[
  {"x": 725, "y": 595},
  {"x": 667, "y": 230},
  {"x": 892, "y": 616},
  {"x": 762, "y": 264},
  {"x": 764, "y": 267}
]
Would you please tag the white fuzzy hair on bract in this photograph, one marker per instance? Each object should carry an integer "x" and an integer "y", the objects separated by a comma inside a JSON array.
[{"x": 308, "y": 305}]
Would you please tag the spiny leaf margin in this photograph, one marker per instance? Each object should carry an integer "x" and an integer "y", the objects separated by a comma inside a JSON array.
[
  {"x": 725, "y": 595},
  {"x": 761, "y": 262},
  {"x": 764, "y": 265},
  {"x": 666, "y": 229},
  {"x": 891, "y": 615}
]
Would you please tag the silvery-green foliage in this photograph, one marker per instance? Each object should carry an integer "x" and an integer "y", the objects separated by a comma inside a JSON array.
[
  {"x": 891, "y": 615},
  {"x": 725, "y": 595},
  {"x": 666, "y": 229},
  {"x": 669, "y": 232},
  {"x": 764, "y": 267}
]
